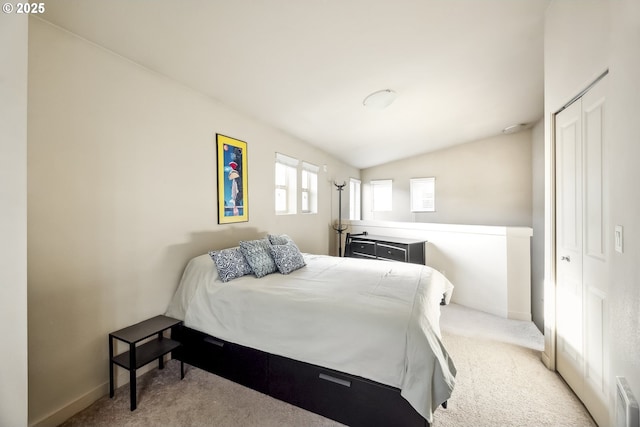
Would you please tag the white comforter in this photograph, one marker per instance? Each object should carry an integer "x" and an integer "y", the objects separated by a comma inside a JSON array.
[{"x": 374, "y": 319}]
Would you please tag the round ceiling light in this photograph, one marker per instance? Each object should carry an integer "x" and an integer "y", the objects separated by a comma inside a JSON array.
[
  {"x": 380, "y": 99},
  {"x": 514, "y": 128}
]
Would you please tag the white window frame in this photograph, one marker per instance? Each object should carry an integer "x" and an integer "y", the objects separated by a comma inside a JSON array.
[
  {"x": 309, "y": 188},
  {"x": 423, "y": 194},
  {"x": 355, "y": 194},
  {"x": 286, "y": 171},
  {"x": 382, "y": 195}
]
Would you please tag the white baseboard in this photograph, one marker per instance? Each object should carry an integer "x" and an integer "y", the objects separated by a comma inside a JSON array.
[
  {"x": 546, "y": 360},
  {"x": 496, "y": 311},
  {"x": 517, "y": 315},
  {"x": 61, "y": 415}
]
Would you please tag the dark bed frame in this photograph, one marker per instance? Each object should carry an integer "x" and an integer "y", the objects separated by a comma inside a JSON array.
[{"x": 345, "y": 398}]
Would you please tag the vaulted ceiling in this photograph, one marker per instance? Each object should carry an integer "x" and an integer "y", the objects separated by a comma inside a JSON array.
[{"x": 462, "y": 70}]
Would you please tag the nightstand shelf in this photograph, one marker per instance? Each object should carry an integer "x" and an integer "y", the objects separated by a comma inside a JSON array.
[
  {"x": 146, "y": 353},
  {"x": 140, "y": 355}
]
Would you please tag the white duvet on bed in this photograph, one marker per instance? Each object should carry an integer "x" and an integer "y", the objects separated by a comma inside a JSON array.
[{"x": 374, "y": 319}]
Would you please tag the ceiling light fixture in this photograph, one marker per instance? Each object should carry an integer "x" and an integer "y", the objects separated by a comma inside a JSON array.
[
  {"x": 380, "y": 99},
  {"x": 515, "y": 128}
]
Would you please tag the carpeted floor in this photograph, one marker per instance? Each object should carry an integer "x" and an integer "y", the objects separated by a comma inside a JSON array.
[
  {"x": 201, "y": 399},
  {"x": 501, "y": 382}
]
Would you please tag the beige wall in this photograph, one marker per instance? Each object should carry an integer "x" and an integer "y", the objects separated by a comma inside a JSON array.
[
  {"x": 13, "y": 226},
  {"x": 486, "y": 182},
  {"x": 583, "y": 39},
  {"x": 122, "y": 192}
]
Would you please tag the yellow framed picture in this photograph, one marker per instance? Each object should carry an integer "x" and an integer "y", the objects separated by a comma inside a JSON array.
[{"x": 232, "y": 180}]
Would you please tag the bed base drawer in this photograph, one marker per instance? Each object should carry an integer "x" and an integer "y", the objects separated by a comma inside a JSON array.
[
  {"x": 237, "y": 363},
  {"x": 348, "y": 399},
  {"x": 329, "y": 392}
]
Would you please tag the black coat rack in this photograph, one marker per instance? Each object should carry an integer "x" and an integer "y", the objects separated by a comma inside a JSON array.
[{"x": 340, "y": 228}]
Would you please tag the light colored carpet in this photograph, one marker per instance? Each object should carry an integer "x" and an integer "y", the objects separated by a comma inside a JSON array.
[
  {"x": 201, "y": 399},
  {"x": 501, "y": 382},
  {"x": 459, "y": 320}
]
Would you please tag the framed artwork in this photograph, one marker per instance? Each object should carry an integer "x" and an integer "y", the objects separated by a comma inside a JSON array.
[
  {"x": 423, "y": 194},
  {"x": 232, "y": 180}
]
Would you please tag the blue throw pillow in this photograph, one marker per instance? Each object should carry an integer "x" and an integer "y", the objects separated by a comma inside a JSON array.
[
  {"x": 230, "y": 263},
  {"x": 258, "y": 255},
  {"x": 287, "y": 257}
]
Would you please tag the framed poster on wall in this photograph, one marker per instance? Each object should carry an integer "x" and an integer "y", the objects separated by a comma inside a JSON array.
[{"x": 232, "y": 180}]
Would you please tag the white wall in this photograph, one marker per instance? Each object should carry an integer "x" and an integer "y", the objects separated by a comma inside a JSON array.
[
  {"x": 575, "y": 54},
  {"x": 537, "y": 241},
  {"x": 13, "y": 227},
  {"x": 488, "y": 265},
  {"x": 624, "y": 156},
  {"x": 582, "y": 39},
  {"x": 122, "y": 192},
  {"x": 486, "y": 182}
]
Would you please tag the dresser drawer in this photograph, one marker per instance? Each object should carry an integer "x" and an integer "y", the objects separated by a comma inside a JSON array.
[
  {"x": 393, "y": 253},
  {"x": 386, "y": 248},
  {"x": 361, "y": 247}
]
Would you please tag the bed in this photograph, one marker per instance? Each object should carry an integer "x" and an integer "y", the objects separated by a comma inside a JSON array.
[{"x": 354, "y": 340}]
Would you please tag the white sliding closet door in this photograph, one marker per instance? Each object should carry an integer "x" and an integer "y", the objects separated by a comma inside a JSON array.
[{"x": 581, "y": 249}]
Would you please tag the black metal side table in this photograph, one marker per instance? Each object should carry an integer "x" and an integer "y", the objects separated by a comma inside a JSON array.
[{"x": 138, "y": 356}]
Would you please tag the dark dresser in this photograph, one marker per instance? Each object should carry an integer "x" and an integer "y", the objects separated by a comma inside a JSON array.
[{"x": 386, "y": 248}]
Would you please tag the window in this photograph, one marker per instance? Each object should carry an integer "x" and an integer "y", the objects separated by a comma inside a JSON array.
[
  {"x": 381, "y": 191},
  {"x": 309, "y": 188},
  {"x": 286, "y": 172},
  {"x": 423, "y": 194},
  {"x": 354, "y": 199}
]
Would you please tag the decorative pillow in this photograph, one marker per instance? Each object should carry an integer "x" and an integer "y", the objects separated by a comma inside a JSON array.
[
  {"x": 231, "y": 263},
  {"x": 258, "y": 255},
  {"x": 287, "y": 257},
  {"x": 282, "y": 239}
]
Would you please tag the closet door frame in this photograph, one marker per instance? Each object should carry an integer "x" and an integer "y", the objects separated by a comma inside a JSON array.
[{"x": 592, "y": 361}]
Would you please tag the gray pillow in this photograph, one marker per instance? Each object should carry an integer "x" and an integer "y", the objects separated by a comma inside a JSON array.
[
  {"x": 282, "y": 239},
  {"x": 258, "y": 255},
  {"x": 287, "y": 257},
  {"x": 230, "y": 263}
]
